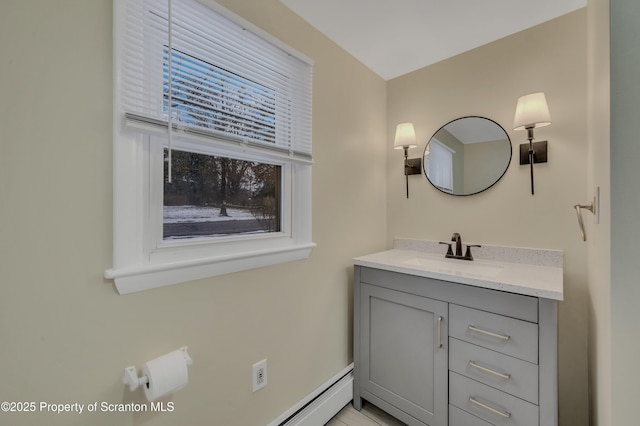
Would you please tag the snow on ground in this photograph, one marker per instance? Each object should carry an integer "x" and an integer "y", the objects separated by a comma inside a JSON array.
[{"x": 180, "y": 214}]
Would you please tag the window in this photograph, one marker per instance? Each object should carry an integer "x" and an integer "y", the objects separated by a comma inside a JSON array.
[
  {"x": 439, "y": 166},
  {"x": 212, "y": 196},
  {"x": 212, "y": 145}
]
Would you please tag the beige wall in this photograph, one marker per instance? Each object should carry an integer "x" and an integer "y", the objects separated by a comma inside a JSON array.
[
  {"x": 66, "y": 334},
  {"x": 599, "y": 236},
  {"x": 487, "y": 82},
  {"x": 485, "y": 163}
]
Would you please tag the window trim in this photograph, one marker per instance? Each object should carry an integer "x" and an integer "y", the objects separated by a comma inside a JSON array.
[
  {"x": 134, "y": 269},
  {"x": 136, "y": 264},
  {"x": 159, "y": 249}
]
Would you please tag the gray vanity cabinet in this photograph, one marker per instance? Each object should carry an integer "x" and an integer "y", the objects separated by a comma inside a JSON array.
[
  {"x": 439, "y": 353},
  {"x": 402, "y": 352}
]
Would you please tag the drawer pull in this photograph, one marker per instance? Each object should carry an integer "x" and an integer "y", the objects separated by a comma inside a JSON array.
[
  {"x": 488, "y": 333},
  {"x": 488, "y": 370},
  {"x": 504, "y": 414},
  {"x": 439, "y": 332}
]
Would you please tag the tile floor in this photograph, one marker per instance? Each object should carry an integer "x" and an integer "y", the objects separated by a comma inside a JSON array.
[{"x": 369, "y": 416}]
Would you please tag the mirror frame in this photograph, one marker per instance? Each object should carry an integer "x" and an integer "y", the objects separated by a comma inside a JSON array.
[{"x": 424, "y": 163}]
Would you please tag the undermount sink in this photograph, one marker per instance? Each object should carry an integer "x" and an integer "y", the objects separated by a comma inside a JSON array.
[{"x": 477, "y": 269}]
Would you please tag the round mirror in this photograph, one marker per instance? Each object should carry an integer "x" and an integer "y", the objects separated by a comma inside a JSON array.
[{"x": 467, "y": 156}]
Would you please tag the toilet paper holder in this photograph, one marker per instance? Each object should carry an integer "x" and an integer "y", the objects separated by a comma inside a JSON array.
[{"x": 131, "y": 375}]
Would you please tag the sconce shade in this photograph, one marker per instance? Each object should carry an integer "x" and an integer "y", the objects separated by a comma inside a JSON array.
[
  {"x": 405, "y": 136},
  {"x": 531, "y": 112}
]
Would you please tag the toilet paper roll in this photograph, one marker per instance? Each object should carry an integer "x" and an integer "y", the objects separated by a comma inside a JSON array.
[{"x": 166, "y": 374}]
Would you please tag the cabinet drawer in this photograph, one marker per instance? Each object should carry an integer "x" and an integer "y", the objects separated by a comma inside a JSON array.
[
  {"x": 491, "y": 405},
  {"x": 505, "y": 373},
  {"x": 509, "y": 336},
  {"x": 457, "y": 417}
]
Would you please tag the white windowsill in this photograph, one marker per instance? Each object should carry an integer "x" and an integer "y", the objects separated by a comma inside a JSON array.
[{"x": 147, "y": 276}]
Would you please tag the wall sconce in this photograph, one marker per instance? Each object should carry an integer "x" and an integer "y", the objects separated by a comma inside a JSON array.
[
  {"x": 532, "y": 112},
  {"x": 405, "y": 139}
]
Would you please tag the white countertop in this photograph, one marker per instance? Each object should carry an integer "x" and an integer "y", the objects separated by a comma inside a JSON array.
[{"x": 529, "y": 275}]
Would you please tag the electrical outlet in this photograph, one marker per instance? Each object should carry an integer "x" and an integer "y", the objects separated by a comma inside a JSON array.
[{"x": 259, "y": 375}]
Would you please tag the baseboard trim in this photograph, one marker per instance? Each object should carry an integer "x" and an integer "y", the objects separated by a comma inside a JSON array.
[{"x": 317, "y": 408}]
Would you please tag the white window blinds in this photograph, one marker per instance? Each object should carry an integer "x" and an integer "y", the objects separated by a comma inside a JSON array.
[{"x": 184, "y": 62}]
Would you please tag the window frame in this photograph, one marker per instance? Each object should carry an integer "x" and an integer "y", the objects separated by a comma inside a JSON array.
[
  {"x": 165, "y": 250},
  {"x": 140, "y": 260},
  {"x": 157, "y": 171}
]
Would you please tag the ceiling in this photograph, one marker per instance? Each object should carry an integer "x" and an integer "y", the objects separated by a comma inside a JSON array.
[
  {"x": 475, "y": 130},
  {"x": 395, "y": 37}
]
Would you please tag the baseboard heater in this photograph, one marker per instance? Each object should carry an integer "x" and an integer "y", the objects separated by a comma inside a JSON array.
[{"x": 322, "y": 404}]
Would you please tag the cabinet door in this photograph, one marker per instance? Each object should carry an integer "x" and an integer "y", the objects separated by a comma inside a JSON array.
[{"x": 403, "y": 351}]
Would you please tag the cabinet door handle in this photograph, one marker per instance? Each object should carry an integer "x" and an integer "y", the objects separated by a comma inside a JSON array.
[
  {"x": 505, "y": 376},
  {"x": 504, "y": 414},
  {"x": 440, "y": 332},
  {"x": 488, "y": 333}
]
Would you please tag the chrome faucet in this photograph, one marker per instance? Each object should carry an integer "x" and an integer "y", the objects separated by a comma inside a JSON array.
[{"x": 457, "y": 239}]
